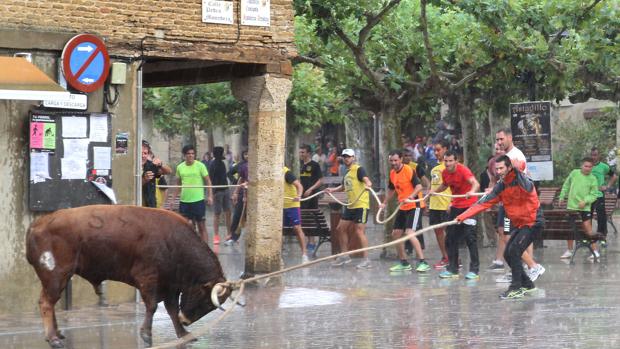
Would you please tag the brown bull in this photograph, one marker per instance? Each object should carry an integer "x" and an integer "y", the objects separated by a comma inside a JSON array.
[{"x": 156, "y": 251}]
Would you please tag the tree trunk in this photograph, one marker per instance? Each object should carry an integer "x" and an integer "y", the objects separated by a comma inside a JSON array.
[
  {"x": 390, "y": 139},
  {"x": 462, "y": 108},
  {"x": 359, "y": 132},
  {"x": 291, "y": 156}
]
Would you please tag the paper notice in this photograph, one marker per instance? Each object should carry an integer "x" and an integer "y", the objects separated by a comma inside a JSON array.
[
  {"x": 98, "y": 128},
  {"x": 102, "y": 158},
  {"x": 106, "y": 190},
  {"x": 36, "y": 135},
  {"x": 39, "y": 167},
  {"x": 49, "y": 135},
  {"x": 74, "y": 126},
  {"x": 73, "y": 168},
  {"x": 76, "y": 148}
]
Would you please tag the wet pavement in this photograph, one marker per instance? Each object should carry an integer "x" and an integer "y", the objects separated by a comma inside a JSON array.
[{"x": 575, "y": 306}]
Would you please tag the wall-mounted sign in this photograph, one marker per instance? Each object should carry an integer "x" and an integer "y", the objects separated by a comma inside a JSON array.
[
  {"x": 256, "y": 12},
  {"x": 75, "y": 101},
  {"x": 220, "y": 12},
  {"x": 85, "y": 62}
]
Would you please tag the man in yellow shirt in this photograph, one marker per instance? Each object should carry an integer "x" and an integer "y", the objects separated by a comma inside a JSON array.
[
  {"x": 439, "y": 204},
  {"x": 291, "y": 215},
  {"x": 355, "y": 183}
]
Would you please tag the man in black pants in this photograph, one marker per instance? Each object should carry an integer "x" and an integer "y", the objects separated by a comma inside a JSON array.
[
  {"x": 461, "y": 181},
  {"x": 311, "y": 179},
  {"x": 606, "y": 178},
  {"x": 522, "y": 207},
  {"x": 238, "y": 174}
]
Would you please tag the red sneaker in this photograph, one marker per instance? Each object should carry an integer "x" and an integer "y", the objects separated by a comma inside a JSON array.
[
  {"x": 216, "y": 240},
  {"x": 441, "y": 264}
]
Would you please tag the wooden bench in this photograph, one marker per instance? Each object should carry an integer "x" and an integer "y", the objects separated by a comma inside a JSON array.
[
  {"x": 313, "y": 223},
  {"x": 563, "y": 224},
  {"x": 610, "y": 205},
  {"x": 547, "y": 196}
]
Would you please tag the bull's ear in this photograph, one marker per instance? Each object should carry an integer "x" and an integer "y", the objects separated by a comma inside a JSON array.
[{"x": 209, "y": 285}]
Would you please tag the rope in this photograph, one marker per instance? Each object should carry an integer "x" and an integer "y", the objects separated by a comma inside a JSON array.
[
  {"x": 204, "y": 329},
  {"x": 240, "y": 284},
  {"x": 201, "y": 186}
]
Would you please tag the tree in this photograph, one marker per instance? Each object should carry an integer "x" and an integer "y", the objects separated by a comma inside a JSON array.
[{"x": 188, "y": 109}]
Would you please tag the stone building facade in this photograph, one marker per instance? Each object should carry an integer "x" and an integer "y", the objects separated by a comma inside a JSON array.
[{"x": 163, "y": 43}]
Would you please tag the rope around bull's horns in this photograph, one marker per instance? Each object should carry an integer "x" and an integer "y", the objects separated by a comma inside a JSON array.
[{"x": 240, "y": 284}]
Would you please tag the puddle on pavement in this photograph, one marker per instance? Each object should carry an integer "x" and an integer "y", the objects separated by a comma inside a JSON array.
[{"x": 299, "y": 297}]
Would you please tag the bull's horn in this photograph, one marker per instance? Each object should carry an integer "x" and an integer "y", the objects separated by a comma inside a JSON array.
[{"x": 215, "y": 292}]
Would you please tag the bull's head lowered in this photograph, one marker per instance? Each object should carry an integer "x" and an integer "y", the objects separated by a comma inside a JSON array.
[{"x": 197, "y": 301}]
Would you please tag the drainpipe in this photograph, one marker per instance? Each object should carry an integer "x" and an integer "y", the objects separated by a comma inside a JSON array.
[{"x": 138, "y": 145}]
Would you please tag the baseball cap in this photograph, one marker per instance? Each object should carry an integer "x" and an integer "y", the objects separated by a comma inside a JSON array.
[{"x": 348, "y": 152}]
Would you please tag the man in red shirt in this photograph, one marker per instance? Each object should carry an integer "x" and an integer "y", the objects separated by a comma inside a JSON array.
[
  {"x": 461, "y": 181},
  {"x": 522, "y": 207}
]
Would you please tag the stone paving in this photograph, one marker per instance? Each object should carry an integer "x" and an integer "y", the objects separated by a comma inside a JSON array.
[{"x": 327, "y": 307}]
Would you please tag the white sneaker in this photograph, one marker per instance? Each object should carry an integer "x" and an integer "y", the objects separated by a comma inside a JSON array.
[
  {"x": 304, "y": 259},
  {"x": 365, "y": 264},
  {"x": 598, "y": 255},
  {"x": 342, "y": 260},
  {"x": 506, "y": 278},
  {"x": 536, "y": 272},
  {"x": 567, "y": 254}
]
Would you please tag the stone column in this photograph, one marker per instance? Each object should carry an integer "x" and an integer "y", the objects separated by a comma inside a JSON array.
[{"x": 266, "y": 100}]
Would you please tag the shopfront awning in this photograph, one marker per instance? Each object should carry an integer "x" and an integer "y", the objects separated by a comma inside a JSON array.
[{"x": 22, "y": 80}]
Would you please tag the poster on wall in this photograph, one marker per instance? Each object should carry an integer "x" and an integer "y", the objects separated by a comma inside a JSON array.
[
  {"x": 530, "y": 123},
  {"x": 43, "y": 133}
]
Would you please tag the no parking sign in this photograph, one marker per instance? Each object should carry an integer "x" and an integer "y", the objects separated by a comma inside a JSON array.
[{"x": 85, "y": 62}]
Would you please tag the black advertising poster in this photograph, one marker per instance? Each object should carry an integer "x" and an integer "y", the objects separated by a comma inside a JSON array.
[{"x": 530, "y": 123}]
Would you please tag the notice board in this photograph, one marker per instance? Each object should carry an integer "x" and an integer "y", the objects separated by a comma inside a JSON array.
[{"x": 69, "y": 151}]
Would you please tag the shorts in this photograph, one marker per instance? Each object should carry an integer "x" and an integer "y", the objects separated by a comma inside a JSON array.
[
  {"x": 193, "y": 210},
  {"x": 586, "y": 215},
  {"x": 221, "y": 201},
  {"x": 437, "y": 216},
  {"x": 357, "y": 215},
  {"x": 410, "y": 219},
  {"x": 291, "y": 217},
  {"x": 502, "y": 220}
]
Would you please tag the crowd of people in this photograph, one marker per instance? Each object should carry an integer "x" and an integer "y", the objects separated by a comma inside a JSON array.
[{"x": 453, "y": 192}]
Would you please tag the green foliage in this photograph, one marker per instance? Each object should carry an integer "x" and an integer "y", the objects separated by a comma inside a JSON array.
[
  {"x": 312, "y": 101},
  {"x": 183, "y": 110},
  {"x": 577, "y": 138}
]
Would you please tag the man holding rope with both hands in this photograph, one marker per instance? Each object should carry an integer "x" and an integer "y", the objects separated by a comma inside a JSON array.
[
  {"x": 356, "y": 184},
  {"x": 522, "y": 207},
  {"x": 464, "y": 186},
  {"x": 408, "y": 188}
]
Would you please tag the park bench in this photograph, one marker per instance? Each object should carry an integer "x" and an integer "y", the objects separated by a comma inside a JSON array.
[
  {"x": 610, "y": 205},
  {"x": 313, "y": 223},
  {"x": 563, "y": 224},
  {"x": 547, "y": 196}
]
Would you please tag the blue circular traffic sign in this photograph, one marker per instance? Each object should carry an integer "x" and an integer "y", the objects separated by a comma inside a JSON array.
[{"x": 85, "y": 62}]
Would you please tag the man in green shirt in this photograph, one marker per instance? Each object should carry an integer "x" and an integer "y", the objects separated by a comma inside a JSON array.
[
  {"x": 605, "y": 177},
  {"x": 192, "y": 204},
  {"x": 582, "y": 189}
]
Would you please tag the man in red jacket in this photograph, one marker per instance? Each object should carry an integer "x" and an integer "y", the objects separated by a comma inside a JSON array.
[{"x": 521, "y": 204}]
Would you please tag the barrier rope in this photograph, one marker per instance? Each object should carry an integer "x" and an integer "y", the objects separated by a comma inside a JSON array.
[
  {"x": 372, "y": 191},
  {"x": 240, "y": 284}
]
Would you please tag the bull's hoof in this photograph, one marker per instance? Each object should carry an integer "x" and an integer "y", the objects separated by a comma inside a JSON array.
[
  {"x": 56, "y": 343},
  {"x": 60, "y": 335},
  {"x": 146, "y": 337},
  {"x": 188, "y": 337}
]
